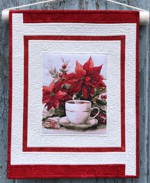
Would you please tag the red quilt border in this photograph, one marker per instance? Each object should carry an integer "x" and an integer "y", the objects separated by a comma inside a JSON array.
[
  {"x": 122, "y": 99},
  {"x": 78, "y": 16},
  {"x": 63, "y": 171},
  {"x": 12, "y": 170}
]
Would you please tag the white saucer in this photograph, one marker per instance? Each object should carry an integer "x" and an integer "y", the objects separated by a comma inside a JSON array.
[{"x": 88, "y": 124}]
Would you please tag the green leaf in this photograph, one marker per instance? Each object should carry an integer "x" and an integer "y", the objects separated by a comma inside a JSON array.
[
  {"x": 101, "y": 102},
  {"x": 60, "y": 112},
  {"x": 66, "y": 86},
  {"x": 102, "y": 111},
  {"x": 51, "y": 112}
]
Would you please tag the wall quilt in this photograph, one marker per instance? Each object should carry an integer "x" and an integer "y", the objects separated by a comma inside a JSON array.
[{"x": 73, "y": 94}]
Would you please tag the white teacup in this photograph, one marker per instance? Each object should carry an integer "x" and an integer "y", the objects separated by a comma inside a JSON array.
[{"x": 79, "y": 111}]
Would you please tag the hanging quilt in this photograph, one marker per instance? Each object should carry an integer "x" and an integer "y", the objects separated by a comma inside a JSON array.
[{"x": 73, "y": 94}]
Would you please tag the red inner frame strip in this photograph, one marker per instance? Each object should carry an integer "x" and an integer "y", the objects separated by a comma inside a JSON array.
[{"x": 26, "y": 80}]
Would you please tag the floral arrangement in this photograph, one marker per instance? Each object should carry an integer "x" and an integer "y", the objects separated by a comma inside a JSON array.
[{"x": 86, "y": 83}]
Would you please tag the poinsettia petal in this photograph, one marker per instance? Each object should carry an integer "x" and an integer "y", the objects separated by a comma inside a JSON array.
[
  {"x": 66, "y": 97},
  {"x": 88, "y": 65},
  {"x": 97, "y": 70},
  {"x": 46, "y": 89},
  {"x": 102, "y": 84},
  {"x": 51, "y": 86},
  {"x": 87, "y": 78},
  {"x": 77, "y": 87},
  {"x": 85, "y": 92},
  {"x": 59, "y": 95},
  {"x": 101, "y": 77},
  {"x": 46, "y": 99},
  {"x": 79, "y": 70},
  {"x": 92, "y": 91},
  {"x": 90, "y": 84},
  {"x": 55, "y": 103},
  {"x": 71, "y": 81},
  {"x": 70, "y": 76},
  {"x": 58, "y": 85},
  {"x": 49, "y": 89}
]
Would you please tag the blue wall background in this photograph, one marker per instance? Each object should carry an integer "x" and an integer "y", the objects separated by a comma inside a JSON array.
[{"x": 144, "y": 87}]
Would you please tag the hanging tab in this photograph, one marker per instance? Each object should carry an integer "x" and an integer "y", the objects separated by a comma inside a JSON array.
[
  {"x": 5, "y": 12},
  {"x": 144, "y": 14}
]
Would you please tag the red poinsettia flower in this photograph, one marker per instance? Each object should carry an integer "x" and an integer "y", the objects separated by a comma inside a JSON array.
[
  {"x": 52, "y": 98},
  {"x": 86, "y": 78}
]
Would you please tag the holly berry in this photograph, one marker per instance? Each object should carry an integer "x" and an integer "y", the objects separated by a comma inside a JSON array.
[{"x": 64, "y": 66}]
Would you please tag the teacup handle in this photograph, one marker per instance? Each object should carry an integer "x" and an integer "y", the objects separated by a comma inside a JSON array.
[{"x": 97, "y": 112}]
